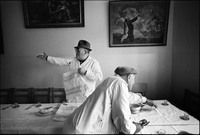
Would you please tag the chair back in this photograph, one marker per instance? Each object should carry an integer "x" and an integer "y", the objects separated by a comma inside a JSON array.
[
  {"x": 21, "y": 95},
  {"x": 140, "y": 88},
  {"x": 6, "y": 96},
  {"x": 191, "y": 103},
  {"x": 58, "y": 95},
  {"x": 41, "y": 95}
]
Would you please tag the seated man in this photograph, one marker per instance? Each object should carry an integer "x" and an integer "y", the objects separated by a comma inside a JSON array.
[{"x": 106, "y": 110}]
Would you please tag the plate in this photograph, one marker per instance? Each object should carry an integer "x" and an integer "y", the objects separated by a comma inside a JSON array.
[
  {"x": 165, "y": 104},
  {"x": 184, "y": 118},
  {"x": 161, "y": 131},
  {"x": 43, "y": 114}
]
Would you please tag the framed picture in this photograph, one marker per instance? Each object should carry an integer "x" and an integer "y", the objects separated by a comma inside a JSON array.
[
  {"x": 138, "y": 23},
  {"x": 53, "y": 13},
  {"x": 1, "y": 37}
]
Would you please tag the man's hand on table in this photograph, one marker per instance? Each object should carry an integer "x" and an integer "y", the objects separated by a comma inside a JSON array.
[
  {"x": 151, "y": 103},
  {"x": 138, "y": 127}
]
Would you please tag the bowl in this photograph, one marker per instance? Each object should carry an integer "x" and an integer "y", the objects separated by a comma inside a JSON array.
[
  {"x": 45, "y": 110},
  {"x": 135, "y": 108}
]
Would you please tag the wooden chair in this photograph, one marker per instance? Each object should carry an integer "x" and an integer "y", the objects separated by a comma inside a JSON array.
[
  {"x": 58, "y": 95},
  {"x": 140, "y": 88},
  {"x": 21, "y": 95},
  {"x": 191, "y": 103},
  {"x": 6, "y": 96},
  {"x": 41, "y": 95}
]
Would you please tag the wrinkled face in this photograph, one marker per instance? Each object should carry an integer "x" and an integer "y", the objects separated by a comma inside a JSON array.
[
  {"x": 81, "y": 53},
  {"x": 131, "y": 81}
]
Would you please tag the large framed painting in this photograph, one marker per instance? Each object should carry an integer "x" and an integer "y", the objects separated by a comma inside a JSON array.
[
  {"x": 1, "y": 36},
  {"x": 53, "y": 13},
  {"x": 138, "y": 23}
]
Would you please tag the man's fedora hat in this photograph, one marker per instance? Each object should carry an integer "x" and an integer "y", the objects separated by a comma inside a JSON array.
[{"x": 84, "y": 44}]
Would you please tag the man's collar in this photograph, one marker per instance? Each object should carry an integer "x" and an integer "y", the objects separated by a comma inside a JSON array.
[
  {"x": 121, "y": 78},
  {"x": 81, "y": 61}
]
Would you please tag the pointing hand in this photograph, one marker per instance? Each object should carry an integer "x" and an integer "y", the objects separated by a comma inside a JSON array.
[{"x": 43, "y": 56}]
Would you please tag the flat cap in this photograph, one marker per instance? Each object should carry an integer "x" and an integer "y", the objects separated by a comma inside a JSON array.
[{"x": 123, "y": 70}]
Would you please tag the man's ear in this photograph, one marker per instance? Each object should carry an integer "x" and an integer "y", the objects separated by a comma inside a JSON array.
[{"x": 129, "y": 76}]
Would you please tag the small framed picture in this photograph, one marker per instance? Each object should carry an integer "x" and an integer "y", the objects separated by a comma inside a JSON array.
[
  {"x": 138, "y": 23},
  {"x": 53, "y": 13}
]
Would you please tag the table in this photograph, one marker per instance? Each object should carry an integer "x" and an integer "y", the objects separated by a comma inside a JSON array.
[
  {"x": 20, "y": 121},
  {"x": 167, "y": 118}
]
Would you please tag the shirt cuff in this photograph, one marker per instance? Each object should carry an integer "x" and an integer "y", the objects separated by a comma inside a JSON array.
[
  {"x": 144, "y": 99},
  {"x": 47, "y": 58}
]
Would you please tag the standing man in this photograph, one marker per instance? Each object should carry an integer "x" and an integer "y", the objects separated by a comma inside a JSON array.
[
  {"x": 86, "y": 66},
  {"x": 107, "y": 109}
]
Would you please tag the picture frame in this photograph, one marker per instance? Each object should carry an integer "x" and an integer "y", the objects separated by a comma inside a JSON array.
[
  {"x": 1, "y": 37},
  {"x": 138, "y": 23},
  {"x": 53, "y": 13}
]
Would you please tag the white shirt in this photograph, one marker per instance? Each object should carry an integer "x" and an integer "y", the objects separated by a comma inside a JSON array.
[
  {"x": 92, "y": 66},
  {"x": 105, "y": 111},
  {"x": 136, "y": 98}
]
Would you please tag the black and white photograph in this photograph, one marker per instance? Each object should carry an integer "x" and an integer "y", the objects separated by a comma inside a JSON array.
[{"x": 99, "y": 67}]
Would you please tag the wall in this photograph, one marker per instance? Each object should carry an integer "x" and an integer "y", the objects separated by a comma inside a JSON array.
[
  {"x": 20, "y": 67},
  {"x": 185, "y": 61}
]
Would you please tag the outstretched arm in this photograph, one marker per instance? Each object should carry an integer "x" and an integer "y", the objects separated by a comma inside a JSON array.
[
  {"x": 54, "y": 60},
  {"x": 137, "y": 98}
]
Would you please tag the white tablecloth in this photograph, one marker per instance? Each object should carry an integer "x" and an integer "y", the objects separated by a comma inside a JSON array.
[
  {"x": 21, "y": 121},
  {"x": 165, "y": 118}
]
